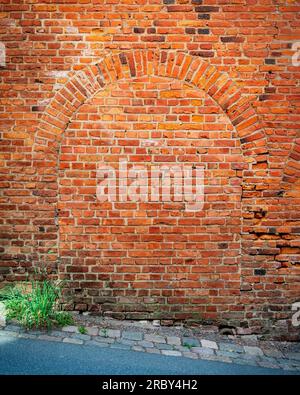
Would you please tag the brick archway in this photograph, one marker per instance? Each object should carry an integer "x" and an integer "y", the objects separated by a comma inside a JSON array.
[
  {"x": 125, "y": 66},
  {"x": 134, "y": 64},
  {"x": 291, "y": 172}
]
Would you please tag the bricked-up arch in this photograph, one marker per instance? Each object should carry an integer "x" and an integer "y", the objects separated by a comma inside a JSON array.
[
  {"x": 292, "y": 168},
  {"x": 126, "y": 66}
]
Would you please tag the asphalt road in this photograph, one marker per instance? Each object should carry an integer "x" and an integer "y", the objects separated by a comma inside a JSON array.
[{"x": 35, "y": 357}]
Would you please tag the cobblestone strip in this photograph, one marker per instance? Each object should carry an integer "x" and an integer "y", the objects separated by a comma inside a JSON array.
[{"x": 187, "y": 347}]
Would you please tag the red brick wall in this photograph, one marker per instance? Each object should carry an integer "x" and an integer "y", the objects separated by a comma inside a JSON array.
[{"x": 195, "y": 82}]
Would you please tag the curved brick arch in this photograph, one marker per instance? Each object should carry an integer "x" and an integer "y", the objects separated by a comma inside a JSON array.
[
  {"x": 127, "y": 65},
  {"x": 291, "y": 172}
]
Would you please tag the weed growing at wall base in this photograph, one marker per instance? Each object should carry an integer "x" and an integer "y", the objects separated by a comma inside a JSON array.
[{"x": 38, "y": 307}]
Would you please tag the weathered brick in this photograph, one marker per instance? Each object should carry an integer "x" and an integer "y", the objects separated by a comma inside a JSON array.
[{"x": 172, "y": 84}]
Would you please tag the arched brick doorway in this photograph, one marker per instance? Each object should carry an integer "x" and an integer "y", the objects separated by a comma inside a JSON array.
[
  {"x": 151, "y": 258},
  {"x": 213, "y": 263}
]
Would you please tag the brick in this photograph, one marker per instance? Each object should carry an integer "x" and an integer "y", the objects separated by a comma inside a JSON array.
[
  {"x": 138, "y": 30},
  {"x": 204, "y": 16},
  {"x": 232, "y": 39},
  {"x": 173, "y": 87},
  {"x": 203, "y": 31},
  {"x": 206, "y": 9}
]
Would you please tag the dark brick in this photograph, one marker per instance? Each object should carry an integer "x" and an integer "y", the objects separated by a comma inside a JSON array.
[
  {"x": 205, "y": 8},
  {"x": 204, "y": 54},
  {"x": 204, "y": 16},
  {"x": 203, "y": 31},
  {"x": 295, "y": 229},
  {"x": 123, "y": 58},
  {"x": 263, "y": 97},
  {"x": 138, "y": 30},
  {"x": 269, "y": 61},
  {"x": 259, "y": 272},
  {"x": 270, "y": 89},
  {"x": 232, "y": 39},
  {"x": 153, "y": 38},
  {"x": 190, "y": 30}
]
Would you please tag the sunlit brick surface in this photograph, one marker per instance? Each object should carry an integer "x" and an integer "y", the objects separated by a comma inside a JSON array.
[{"x": 155, "y": 81}]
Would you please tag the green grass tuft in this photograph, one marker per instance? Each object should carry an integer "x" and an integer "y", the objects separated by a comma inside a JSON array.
[
  {"x": 82, "y": 330},
  {"x": 37, "y": 307},
  {"x": 187, "y": 345}
]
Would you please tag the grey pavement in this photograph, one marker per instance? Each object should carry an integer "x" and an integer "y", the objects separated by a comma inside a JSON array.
[{"x": 40, "y": 357}]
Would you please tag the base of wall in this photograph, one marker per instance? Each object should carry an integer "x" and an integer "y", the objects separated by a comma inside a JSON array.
[{"x": 267, "y": 329}]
